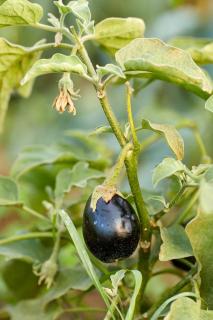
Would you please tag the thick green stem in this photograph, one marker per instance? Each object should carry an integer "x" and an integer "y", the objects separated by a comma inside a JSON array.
[
  {"x": 131, "y": 168},
  {"x": 111, "y": 118}
]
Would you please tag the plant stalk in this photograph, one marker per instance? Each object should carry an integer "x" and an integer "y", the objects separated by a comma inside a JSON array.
[{"x": 131, "y": 168}]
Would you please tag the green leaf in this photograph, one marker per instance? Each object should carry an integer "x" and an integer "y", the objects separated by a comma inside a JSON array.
[
  {"x": 39, "y": 155},
  {"x": 166, "y": 63},
  {"x": 31, "y": 310},
  {"x": 69, "y": 278},
  {"x": 206, "y": 315},
  {"x": 83, "y": 255},
  {"x": 115, "y": 33},
  {"x": 200, "y": 49},
  {"x": 172, "y": 136},
  {"x": 19, "y": 12},
  {"x": 32, "y": 250},
  {"x": 15, "y": 61},
  {"x": 185, "y": 308},
  {"x": 110, "y": 69},
  {"x": 138, "y": 281},
  {"x": 206, "y": 191},
  {"x": 175, "y": 244},
  {"x": 57, "y": 63},
  {"x": 199, "y": 232},
  {"x": 209, "y": 104},
  {"x": 78, "y": 176},
  {"x": 154, "y": 201},
  {"x": 159, "y": 311},
  {"x": 81, "y": 10},
  {"x": 20, "y": 279},
  {"x": 8, "y": 192},
  {"x": 167, "y": 168}
]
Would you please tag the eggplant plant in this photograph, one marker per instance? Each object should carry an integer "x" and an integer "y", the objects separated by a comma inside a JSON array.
[{"x": 89, "y": 235}]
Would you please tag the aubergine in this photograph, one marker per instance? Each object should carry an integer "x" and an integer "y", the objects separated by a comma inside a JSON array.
[{"x": 112, "y": 231}]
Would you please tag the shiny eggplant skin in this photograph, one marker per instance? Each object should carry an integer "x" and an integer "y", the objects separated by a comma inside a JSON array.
[{"x": 112, "y": 231}]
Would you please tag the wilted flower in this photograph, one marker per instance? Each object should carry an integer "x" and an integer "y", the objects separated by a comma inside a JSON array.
[
  {"x": 64, "y": 101},
  {"x": 47, "y": 272}
]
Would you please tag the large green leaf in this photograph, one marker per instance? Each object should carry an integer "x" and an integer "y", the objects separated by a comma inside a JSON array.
[
  {"x": 201, "y": 237},
  {"x": 78, "y": 176},
  {"x": 115, "y": 33},
  {"x": 31, "y": 310},
  {"x": 172, "y": 136},
  {"x": 75, "y": 278},
  {"x": 8, "y": 192},
  {"x": 185, "y": 308},
  {"x": 19, "y": 12},
  {"x": 57, "y": 63},
  {"x": 68, "y": 278},
  {"x": 201, "y": 49},
  {"x": 19, "y": 278},
  {"x": 31, "y": 250},
  {"x": 38, "y": 155},
  {"x": 175, "y": 243},
  {"x": 166, "y": 63},
  {"x": 167, "y": 168},
  {"x": 14, "y": 63}
]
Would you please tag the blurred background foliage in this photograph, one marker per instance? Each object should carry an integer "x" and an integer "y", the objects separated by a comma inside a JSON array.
[{"x": 34, "y": 121}]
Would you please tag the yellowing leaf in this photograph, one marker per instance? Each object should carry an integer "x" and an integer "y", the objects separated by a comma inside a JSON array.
[
  {"x": 14, "y": 62},
  {"x": 166, "y": 63}
]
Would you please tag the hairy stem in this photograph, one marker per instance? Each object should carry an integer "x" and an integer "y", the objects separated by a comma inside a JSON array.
[{"x": 131, "y": 168}]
